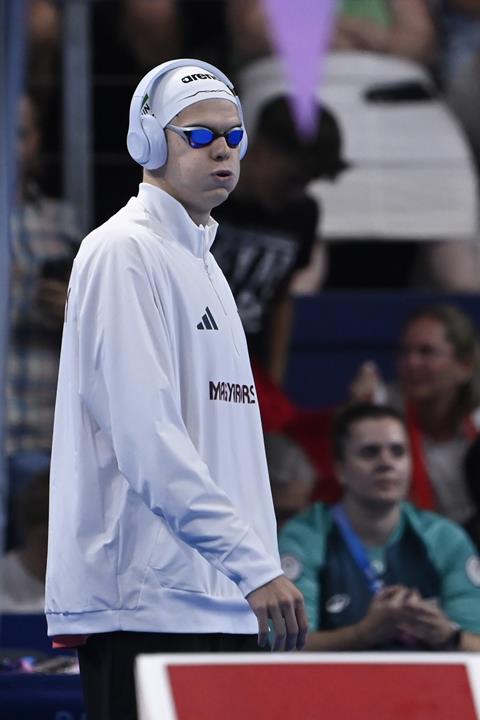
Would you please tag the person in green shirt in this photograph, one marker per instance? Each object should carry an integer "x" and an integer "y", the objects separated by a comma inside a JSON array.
[{"x": 376, "y": 572}]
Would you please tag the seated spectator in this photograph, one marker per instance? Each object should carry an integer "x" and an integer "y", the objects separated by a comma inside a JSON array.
[
  {"x": 378, "y": 573},
  {"x": 438, "y": 376},
  {"x": 396, "y": 27},
  {"x": 267, "y": 243},
  {"x": 22, "y": 569},
  {"x": 292, "y": 476},
  {"x": 44, "y": 242},
  {"x": 438, "y": 391},
  {"x": 402, "y": 139},
  {"x": 402, "y": 28},
  {"x": 407, "y": 212}
]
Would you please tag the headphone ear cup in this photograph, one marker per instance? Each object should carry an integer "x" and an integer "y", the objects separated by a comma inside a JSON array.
[
  {"x": 137, "y": 145},
  {"x": 157, "y": 143}
]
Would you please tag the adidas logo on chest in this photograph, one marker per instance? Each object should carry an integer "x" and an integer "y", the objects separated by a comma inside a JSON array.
[{"x": 208, "y": 321}]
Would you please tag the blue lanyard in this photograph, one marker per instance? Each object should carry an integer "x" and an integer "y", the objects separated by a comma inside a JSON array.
[{"x": 356, "y": 548}]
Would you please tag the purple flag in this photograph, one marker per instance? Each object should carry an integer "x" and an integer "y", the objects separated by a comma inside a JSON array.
[{"x": 301, "y": 31}]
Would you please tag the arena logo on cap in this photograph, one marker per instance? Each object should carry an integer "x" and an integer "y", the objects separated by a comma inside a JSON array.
[{"x": 198, "y": 76}]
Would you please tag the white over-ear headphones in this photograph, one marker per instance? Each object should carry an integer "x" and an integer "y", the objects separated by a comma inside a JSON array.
[{"x": 146, "y": 139}]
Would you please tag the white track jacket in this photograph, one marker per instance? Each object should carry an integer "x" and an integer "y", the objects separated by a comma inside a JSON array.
[{"x": 161, "y": 517}]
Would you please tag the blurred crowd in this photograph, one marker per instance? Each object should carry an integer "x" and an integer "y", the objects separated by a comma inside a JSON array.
[{"x": 383, "y": 195}]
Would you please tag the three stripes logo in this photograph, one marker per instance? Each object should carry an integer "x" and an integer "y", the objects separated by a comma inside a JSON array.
[{"x": 208, "y": 322}]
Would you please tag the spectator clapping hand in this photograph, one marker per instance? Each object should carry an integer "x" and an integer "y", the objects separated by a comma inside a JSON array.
[
  {"x": 426, "y": 622},
  {"x": 387, "y": 612}
]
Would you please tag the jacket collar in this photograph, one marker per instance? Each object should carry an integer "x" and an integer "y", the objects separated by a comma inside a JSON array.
[{"x": 172, "y": 220}]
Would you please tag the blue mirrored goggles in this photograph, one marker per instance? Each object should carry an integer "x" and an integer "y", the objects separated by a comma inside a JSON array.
[{"x": 198, "y": 137}]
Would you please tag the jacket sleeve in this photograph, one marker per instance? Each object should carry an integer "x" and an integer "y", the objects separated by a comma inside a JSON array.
[{"x": 127, "y": 381}]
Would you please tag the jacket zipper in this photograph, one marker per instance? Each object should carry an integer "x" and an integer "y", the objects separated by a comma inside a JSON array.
[{"x": 207, "y": 270}]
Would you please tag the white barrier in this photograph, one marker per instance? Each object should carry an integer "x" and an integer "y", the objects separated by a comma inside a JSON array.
[{"x": 306, "y": 686}]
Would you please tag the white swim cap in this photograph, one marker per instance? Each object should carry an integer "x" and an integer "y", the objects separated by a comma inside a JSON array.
[{"x": 185, "y": 86}]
